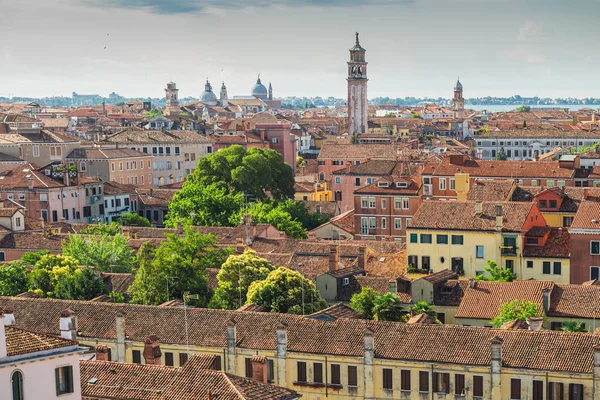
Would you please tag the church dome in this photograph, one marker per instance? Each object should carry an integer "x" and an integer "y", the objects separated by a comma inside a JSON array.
[
  {"x": 458, "y": 85},
  {"x": 259, "y": 90},
  {"x": 208, "y": 97}
]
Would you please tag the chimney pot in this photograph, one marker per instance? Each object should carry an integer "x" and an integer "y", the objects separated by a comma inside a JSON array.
[
  {"x": 334, "y": 258},
  {"x": 259, "y": 368},
  {"x": 546, "y": 299},
  {"x": 535, "y": 323},
  {"x": 9, "y": 317},
  {"x": 471, "y": 283},
  {"x": 102, "y": 352}
]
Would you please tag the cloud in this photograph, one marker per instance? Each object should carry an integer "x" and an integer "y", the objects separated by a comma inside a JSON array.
[
  {"x": 530, "y": 30},
  {"x": 202, "y": 6}
]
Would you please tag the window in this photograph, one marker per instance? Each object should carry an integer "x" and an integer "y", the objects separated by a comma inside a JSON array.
[
  {"x": 383, "y": 223},
  {"x": 423, "y": 381},
  {"x": 425, "y": 238},
  {"x": 405, "y": 380},
  {"x": 594, "y": 272},
  {"x": 112, "y": 167},
  {"x": 64, "y": 380},
  {"x": 538, "y": 390},
  {"x": 387, "y": 379},
  {"x": 248, "y": 367},
  {"x": 546, "y": 267},
  {"x": 555, "y": 390},
  {"x": 459, "y": 384},
  {"x": 552, "y": 203},
  {"x": 18, "y": 222},
  {"x": 479, "y": 251},
  {"x": 338, "y": 179},
  {"x": 384, "y": 203},
  {"x": 317, "y": 373},
  {"x": 405, "y": 203},
  {"x": 17, "y": 385},
  {"x": 372, "y": 223},
  {"x": 136, "y": 356},
  {"x": 356, "y": 181},
  {"x": 567, "y": 221},
  {"x": 534, "y": 182},
  {"x": 397, "y": 203},
  {"x": 515, "y": 389},
  {"x": 301, "y": 367},
  {"x": 457, "y": 239},
  {"x": 543, "y": 204},
  {"x": 36, "y": 151},
  {"x": 594, "y": 247},
  {"x": 441, "y": 382},
  {"x": 270, "y": 370},
  {"x": 550, "y": 183},
  {"x": 169, "y": 359},
  {"x": 561, "y": 184},
  {"x": 398, "y": 224},
  {"x": 441, "y": 239},
  {"x": 177, "y": 150},
  {"x": 352, "y": 376},
  {"x": 529, "y": 263},
  {"x": 425, "y": 261},
  {"x": 335, "y": 374},
  {"x": 414, "y": 238},
  {"x": 372, "y": 202},
  {"x": 364, "y": 202},
  {"x": 452, "y": 184},
  {"x": 575, "y": 391},
  {"x": 183, "y": 357},
  {"x": 557, "y": 268},
  {"x": 442, "y": 183}
]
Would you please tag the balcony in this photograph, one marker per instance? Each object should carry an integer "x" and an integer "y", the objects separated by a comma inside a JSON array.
[{"x": 508, "y": 250}]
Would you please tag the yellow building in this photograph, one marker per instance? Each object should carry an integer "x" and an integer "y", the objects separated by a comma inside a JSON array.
[
  {"x": 341, "y": 359},
  {"x": 317, "y": 191},
  {"x": 463, "y": 236}
]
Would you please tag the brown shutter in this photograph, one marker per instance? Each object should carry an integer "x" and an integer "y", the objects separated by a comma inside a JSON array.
[
  {"x": 459, "y": 384},
  {"x": 423, "y": 381},
  {"x": 248, "y": 363},
  {"x": 183, "y": 357},
  {"x": 301, "y": 365},
  {"x": 317, "y": 372},
  {"x": 169, "y": 359},
  {"x": 515, "y": 389},
  {"x": 446, "y": 383},
  {"x": 352, "y": 375},
  {"x": 405, "y": 379},
  {"x": 538, "y": 390},
  {"x": 335, "y": 374},
  {"x": 478, "y": 386},
  {"x": 387, "y": 379},
  {"x": 137, "y": 356},
  {"x": 435, "y": 382}
]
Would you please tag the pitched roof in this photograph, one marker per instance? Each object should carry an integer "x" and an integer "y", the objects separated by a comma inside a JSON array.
[
  {"x": 336, "y": 311},
  {"x": 356, "y": 151},
  {"x": 491, "y": 190},
  {"x": 257, "y": 331},
  {"x": 462, "y": 215},
  {"x": 21, "y": 341},
  {"x": 136, "y": 135},
  {"x": 558, "y": 245},
  {"x": 22, "y": 176},
  {"x": 104, "y": 154},
  {"x": 500, "y": 169},
  {"x": 391, "y": 188},
  {"x": 371, "y": 167},
  {"x": 588, "y": 216},
  {"x": 440, "y": 276},
  {"x": 574, "y": 301}
]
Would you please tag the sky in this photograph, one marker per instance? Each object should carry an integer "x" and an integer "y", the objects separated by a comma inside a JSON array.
[{"x": 547, "y": 48}]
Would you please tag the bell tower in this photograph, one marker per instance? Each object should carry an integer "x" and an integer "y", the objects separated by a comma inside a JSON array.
[
  {"x": 357, "y": 90},
  {"x": 458, "y": 102},
  {"x": 172, "y": 95},
  {"x": 224, "y": 100}
]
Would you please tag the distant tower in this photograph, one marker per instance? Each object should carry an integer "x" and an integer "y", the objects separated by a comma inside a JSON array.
[
  {"x": 458, "y": 102},
  {"x": 224, "y": 100},
  {"x": 172, "y": 95},
  {"x": 270, "y": 92},
  {"x": 357, "y": 90}
]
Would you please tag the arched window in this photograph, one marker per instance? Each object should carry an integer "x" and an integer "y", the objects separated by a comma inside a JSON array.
[{"x": 17, "y": 385}]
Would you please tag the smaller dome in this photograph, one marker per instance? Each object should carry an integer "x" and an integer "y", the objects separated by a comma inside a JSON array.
[
  {"x": 208, "y": 97},
  {"x": 458, "y": 85},
  {"x": 259, "y": 90}
]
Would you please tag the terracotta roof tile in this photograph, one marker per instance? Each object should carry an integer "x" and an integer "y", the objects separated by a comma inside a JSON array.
[
  {"x": 21, "y": 341},
  {"x": 558, "y": 245},
  {"x": 336, "y": 311},
  {"x": 333, "y": 151},
  {"x": 588, "y": 216},
  {"x": 491, "y": 190},
  {"x": 575, "y": 301},
  {"x": 500, "y": 169}
]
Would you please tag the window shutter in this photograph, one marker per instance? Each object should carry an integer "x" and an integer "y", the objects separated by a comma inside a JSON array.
[
  {"x": 435, "y": 382},
  {"x": 352, "y": 375},
  {"x": 335, "y": 374},
  {"x": 446, "y": 378},
  {"x": 317, "y": 372},
  {"x": 478, "y": 386},
  {"x": 57, "y": 378},
  {"x": 70, "y": 378},
  {"x": 423, "y": 381},
  {"x": 515, "y": 388}
]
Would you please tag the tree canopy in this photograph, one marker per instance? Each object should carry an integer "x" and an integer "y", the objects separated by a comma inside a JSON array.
[
  {"x": 133, "y": 219},
  {"x": 286, "y": 291},
  {"x": 235, "y": 277},
  {"x": 364, "y": 302},
  {"x": 423, "y": 307},
  {"x": 496, "y": 273},
  {"x": 573, "y": 326},
  {"x": 516, "y": 309},
  {"x": 13, "y": 278},
  {"x": 106, "y": 253},
  {"x": 388, "y": 307}
]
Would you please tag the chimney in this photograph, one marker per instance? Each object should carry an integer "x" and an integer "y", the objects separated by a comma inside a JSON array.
[
  {"x": 126, "y": 232},
  {"x": 259, "y": 368},
  {"x": 3, "y": 351},
  {"x": 179, "y": 228},
  {"x": 478, "y": 207},
  {"x": 281, "y": 353},
  {"x": 535, "y": 323},
  {"x": 104, "y": 108},
  {"x": 596, "y": 371},
  {"x": 586, "y": 192},
  {"x": 393, "y": 286},
  {"x": 30, "y": 183},
  {"x": 472, "y": 283},
  {"x": 154, "y": 224},
  {"x": 9, "y": 316},
  {"x": 499, "y": 217},
  {"x": 348, "y": 165},
  {"x": 369, "y": 359},
  {"x": 102, "y": 352},
  {"x": 66, "y": 180},
  {"x": 120, "y": 322},
  {"x": 68, "y": 325},
  {"x": 152, "y": 351},
  {"x": 231, "y": 344},
  {"x": 363, "y": 257},
  {"x": 546, "y": 300},
  {"x": 334, "y": 258}
]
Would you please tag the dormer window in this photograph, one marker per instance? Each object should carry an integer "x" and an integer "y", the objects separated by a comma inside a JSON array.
[
  {"x": 383, "y": 184},
  {"x": 401, "y": 184},
  {"x": 543, "y": 204}
]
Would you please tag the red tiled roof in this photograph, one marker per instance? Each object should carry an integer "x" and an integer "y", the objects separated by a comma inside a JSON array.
[
  {"x": 500, "y": 169},
  {"x": 21, "y": 341},
  {"x": 575, "y": 301},
  {"x": 588, "y": 216},
  {"x": 558, "y": 245}
]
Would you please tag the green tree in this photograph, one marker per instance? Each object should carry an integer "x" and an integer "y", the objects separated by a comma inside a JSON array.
[
  {"x": 33, "y": 258},
  {"x": 388, "y": 307},
  {"x": 414, "y": 115},
  {"x": 300, "y": 162},
  {"x": 501, "y": 154},
  {"x": 390, "y": 115},
  {"x": 106, "y": 253},
  {"x": 497, "y": 273},
  {"x": 102, "y": 229},
  {"x": 573, "y": 326},
  {"x": 149, "y": 284},
  {"x": 47, "y": 272},
  {"x": 300, "y": 212},
  {"x": 235, "y": 277},
  {"x": 516, "y": 309},
  {"x": 79, "y": 284},
  {"x": 13, "y": 278},
  {"x": 523, "y": 108},
  {"x": 423, "y": 307},
  {"x": 286, "y": 291},
  {"x": 153, "y": 113},
  {"x": 364, "y": 302},
  {"x": 267, "y": 213},
  {"x": 182, "y": 261},
  {"x": 200, "y": 205},
  {"x": 133, "y": 219},
  {"x": 119, "y": 103},
  {"x": 116, "y": 297}
]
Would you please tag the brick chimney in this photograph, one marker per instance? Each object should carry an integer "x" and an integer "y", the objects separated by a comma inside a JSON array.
[
  {"x": 120, "y": 329},
  {"x": 496, "y": 366},
  {"x": 9, "y": 316},
  {"x": 499, "y": 217},
  {"x": 68, "y": 325},
  {"x": 363, "y": 257},
  {"x": 334, "y": 258},
  {"x": 152, "y": 351},
  {"x": 102, "y": 352},
  {"x": 259, "y": 368},
  {"x": 3, "y": 351},
  {"x": 546, "y": 299}
]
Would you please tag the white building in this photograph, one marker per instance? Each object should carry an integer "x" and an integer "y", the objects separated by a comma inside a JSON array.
[{"x": 38, "y": 366}]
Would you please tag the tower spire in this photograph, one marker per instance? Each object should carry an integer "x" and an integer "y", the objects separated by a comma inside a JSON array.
[{"x": 357, "y": 42}]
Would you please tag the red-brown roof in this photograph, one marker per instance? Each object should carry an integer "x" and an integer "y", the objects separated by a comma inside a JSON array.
[
  {"x": 500, "y": 169},
  {"x": 21, "y": 341},
  {"x": 588, "y": 216}
]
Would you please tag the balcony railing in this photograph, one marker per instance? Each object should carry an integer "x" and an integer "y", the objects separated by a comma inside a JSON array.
[{"x": 508, "y": 250}]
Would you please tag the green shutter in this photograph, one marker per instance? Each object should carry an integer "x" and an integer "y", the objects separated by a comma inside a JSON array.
[
  {"x": 70, "y": 378},
  {"x": 57, "y": 377}
]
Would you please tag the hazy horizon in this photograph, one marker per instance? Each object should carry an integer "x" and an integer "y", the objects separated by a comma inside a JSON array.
[{"x": 499, "y": 48}]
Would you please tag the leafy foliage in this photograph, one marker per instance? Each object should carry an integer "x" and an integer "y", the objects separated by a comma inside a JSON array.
[
  {"x": 573, "y": 326},
  {"x": 78, "y": 284},
  {"x": 133, "y": 219},
  {"x": 364, "y": 302},
  {"x": 106, "y": 253},
  {"x": 13, "y": 278},
  {"x": 153, "y": 113},
  {"x": 388, "y": 307},
  {"x": 235, "y": 277},
  {"x": 516, "y": 309},
  {"x": 523, "y": 109},
  {"x": 116, "y": 297},
  {"x": 33, "y": 258},
  {"x": 267, "y": 213},
  {"x": 497, "y": 273},
  {"x": 423, "y": 307},
  {"x": 111, "y": 229},
  {"x": 286, "y": 291},
  {"x": 181, "y": 260},
  {"x": 501, "y": 156}
]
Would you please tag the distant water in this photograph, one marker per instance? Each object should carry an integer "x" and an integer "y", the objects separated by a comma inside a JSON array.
[{"x": 509, "y": 107}]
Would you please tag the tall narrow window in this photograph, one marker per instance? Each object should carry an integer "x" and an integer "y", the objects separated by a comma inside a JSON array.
[
  {"x": 301, "y": 366},
  {"x": 387, "y": 379},
  {"x": 478, "y": 386},
  {"x": 317, "y": 372},
  {"x": 183, "y": 357},
  {"x": 538, "y": 390},
  {"x": 335, "y": 374},
  {"x": 17, "y": 385},
  {"x": 352, "y": 375},
  {"x": 575, "y": 391},
  {"x": 405, "y": 380},
  {"x": 423, "y": 381},
  {"x": 515, "y": 389},
  {"x": 459, "y": 384},
  {"x": 248, "y": 362},
  {"x": 169, "y": 359},
  {"x": 64, "y": 380},
  {"x": 136, "y": 356}
]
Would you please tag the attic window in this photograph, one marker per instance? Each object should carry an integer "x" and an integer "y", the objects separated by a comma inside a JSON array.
[
  {"x": 445, "y": 290},
  {"x": 383, "y": 184},
  {"x": 93, "y": 381},
  {"x": 345, "y": 281},
  {"x": 401, "y": 184}
]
